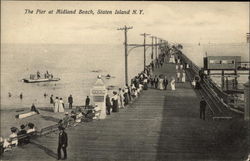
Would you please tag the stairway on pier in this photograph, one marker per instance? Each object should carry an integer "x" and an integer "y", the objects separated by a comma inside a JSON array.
[{"x": 159, "y": 125}]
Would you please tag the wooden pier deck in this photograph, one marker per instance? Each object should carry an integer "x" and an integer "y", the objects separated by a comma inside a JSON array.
[{"x": 159, "y": 125}]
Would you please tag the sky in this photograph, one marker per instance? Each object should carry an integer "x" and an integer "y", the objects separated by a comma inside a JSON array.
[{"x": 180, "y": 22}]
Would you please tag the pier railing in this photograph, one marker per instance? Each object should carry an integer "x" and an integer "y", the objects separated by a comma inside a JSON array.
[{"x": 219, "y": 98}]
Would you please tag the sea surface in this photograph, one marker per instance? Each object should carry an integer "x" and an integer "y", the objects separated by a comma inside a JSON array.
[{"x": 74, "y": 65}]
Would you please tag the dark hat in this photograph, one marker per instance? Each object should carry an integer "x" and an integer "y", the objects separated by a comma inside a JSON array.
[
  {"x": 22, "y": 126},
  {"x": 31, "y": 125},
  {"x": 13, "y": 129},
  {"x": 60, "y": 128}
]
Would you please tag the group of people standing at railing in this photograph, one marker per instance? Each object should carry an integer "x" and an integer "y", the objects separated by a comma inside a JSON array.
[
  {"x": 59, "y": 105},
  {"x": 142, "y": 81},
  {"x": 123, "y": 97}
]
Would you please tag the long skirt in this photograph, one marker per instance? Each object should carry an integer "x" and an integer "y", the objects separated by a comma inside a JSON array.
[
  {"x": 56, "y": 107},
  {"x": 145, "y": 86},
  {"x": 173, "y": 86},
  {"x": 115, "y": 106},
  {"x": 183, "y": 79},
  {"x": 61, "y": 108},
  {"x": 161, "y": 86}
]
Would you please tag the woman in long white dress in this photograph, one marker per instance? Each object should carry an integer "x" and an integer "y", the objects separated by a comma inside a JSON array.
[
  {"x": 173, "y": 57},
  {"x": 170, "y": 59},
  {"x": 161, "y": 84},
  {"x": 121, "y": 98},
  {"x": 56, "y": 105},
  {"x": 61, "y": 105},
  {"x": 172, "y": 83},
  {"x": 193, "y": 83},
  {"x": 183, "y": 79}
]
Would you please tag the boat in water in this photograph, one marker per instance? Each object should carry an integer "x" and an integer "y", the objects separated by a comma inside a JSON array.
[
  {"x": 40, "y": 80},
  {"x": 36, "y": 78}
]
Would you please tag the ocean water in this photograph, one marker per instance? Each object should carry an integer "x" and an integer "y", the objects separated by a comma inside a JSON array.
[{"x": 74, "y": 63}]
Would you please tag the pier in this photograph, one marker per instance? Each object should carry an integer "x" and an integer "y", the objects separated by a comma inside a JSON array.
[{"x": 159, "y": 125}]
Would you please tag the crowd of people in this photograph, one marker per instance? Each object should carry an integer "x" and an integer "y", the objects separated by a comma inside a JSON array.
[
  {"x": 120, "y": 99},
  {"x": 18, "y": 137}
]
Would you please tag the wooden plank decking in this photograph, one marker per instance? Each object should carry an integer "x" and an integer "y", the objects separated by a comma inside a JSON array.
[{"x": 159, "y": 125}]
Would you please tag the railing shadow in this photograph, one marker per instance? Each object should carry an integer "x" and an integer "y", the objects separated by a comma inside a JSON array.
[
  {"x": 50, "y": 118},
  {"x": 45, "y": 149},
  {"x": 47, "y": 109}
]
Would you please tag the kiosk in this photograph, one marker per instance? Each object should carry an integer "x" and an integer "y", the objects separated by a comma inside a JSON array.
[{"x": 98, "y": 94}]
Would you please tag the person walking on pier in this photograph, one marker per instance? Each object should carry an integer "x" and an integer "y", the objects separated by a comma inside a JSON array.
[
  {"x": 70, "y": 101},
  {"x": 181, "y": 67},
  {"x": 108, "y": 104},
  {"x": 172, "y": 83},
  {"x": 56, "y": 105},
  {"x": 129, "y": 92},
  {"x": 126, "y": 95},
  {"x": 161, "y": 81},
  {"x": 61, "y": 105},
  {"x": 51, "y": 99},
  {"x": 62, "y": 143},
  {"x": 87, "y": 101},
  {"x": 156, "y": 80},
  {"x": 115, "y": 102},
  {"x": 21, "y": 96},
  {"x": 183, "y": 78},
  {"x": 203, "y": 105},
  {"x": 152, "y": 82},
  {"x": 165, "y": 82},
  {"x": 178, "y": 75},
  {"x": 121, "y": 98}
]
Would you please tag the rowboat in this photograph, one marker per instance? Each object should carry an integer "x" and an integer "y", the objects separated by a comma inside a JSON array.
[{"x": 40, "y": 80}]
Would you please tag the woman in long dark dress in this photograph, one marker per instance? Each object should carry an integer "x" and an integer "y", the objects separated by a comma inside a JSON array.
[
  {"x": 115, "y": 102},
  {"x": 108, "y": 104}
]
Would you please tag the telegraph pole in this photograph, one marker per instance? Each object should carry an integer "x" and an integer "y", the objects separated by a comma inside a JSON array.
[
  {"x": 144, "y": 45},
  {"x": 152, "y": 56},
  {"x": 156, "y": 54},
  {"x": 125, "y": 28}
]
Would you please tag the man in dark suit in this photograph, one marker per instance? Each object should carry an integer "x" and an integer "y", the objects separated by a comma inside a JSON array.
[
  {"x": 156, "y": 80},
  {"x": 62, "y": 143},
  {"x": 203, "y": 105},
  {"x": 108, "y": 104},
  {"x": 165, "y": 83},
  {"x": 70, "y": 100},
  {"x": 87, "y": 101}
]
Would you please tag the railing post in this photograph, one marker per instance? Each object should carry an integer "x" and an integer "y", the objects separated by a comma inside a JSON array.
[{"x": 247, "y": 100}]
